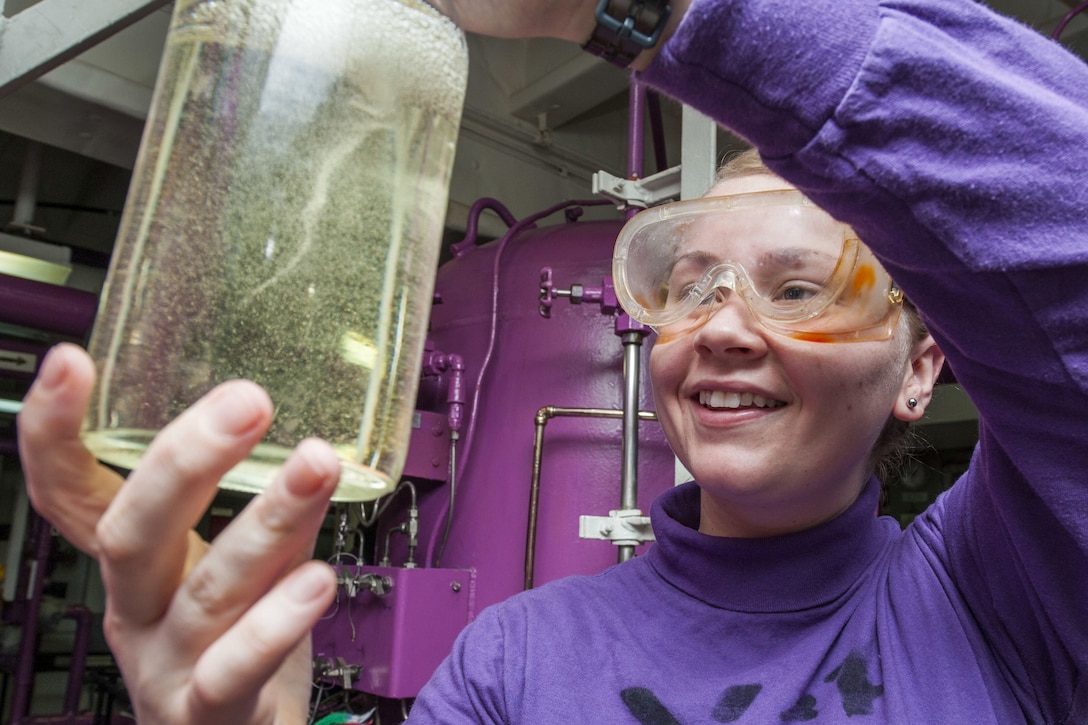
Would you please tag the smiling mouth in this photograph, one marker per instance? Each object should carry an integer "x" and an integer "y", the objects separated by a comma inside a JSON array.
[{"x": 722, "y": 399}]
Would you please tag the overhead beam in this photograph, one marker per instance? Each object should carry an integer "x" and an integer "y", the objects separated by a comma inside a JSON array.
[
  {"x": 96, "y": 85},
  {"x": 52, "y": 32},
  {"x": 44, "y": 114},
  {"x": 568, "y": 90}
]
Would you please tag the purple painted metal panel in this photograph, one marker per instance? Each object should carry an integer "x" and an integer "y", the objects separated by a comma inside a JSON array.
[
  {"x": 430, "y": 446},
  {"x": 397, "y": 640}
]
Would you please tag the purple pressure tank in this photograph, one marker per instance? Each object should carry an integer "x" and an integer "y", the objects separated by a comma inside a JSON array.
[
  {"x": 572, "y": 359},
  {"x": 525, "y": 396}
]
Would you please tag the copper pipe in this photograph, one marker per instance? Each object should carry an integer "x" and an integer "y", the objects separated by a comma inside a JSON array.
[{"x": 542, "y": 417}]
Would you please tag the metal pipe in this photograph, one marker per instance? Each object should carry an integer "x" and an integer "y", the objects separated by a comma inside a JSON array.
[
  {"x": 454, "y": 436},
  {"x": 636, "y": 124},
  {"x": 632, "y": 349},
  {"x": 456, "y": 398},
  {"x": 542, "y": 417},
  {"x": 401, "y": 528},
  {"x": 657, "y": 130},
  {"x": 534, "y": 498},
  {"x": 409, "y": 528},
  {"x": 386, "y": 500}
]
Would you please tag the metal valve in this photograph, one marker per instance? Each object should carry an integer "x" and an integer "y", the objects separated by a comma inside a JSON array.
[
  {"x": 324, "y": 667},
  {"x": 605, "y": 295},
  {"x": 547, "y": 292},
  {"x": 378, "y": 584}
]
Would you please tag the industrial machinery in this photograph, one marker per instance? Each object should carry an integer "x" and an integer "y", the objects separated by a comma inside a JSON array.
[
  {"x": 522, "y": 467},
  {"x": 535, "y": 455}
]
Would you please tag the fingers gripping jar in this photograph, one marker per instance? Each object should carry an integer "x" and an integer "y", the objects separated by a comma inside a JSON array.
[{"x": 283, "y": 225}]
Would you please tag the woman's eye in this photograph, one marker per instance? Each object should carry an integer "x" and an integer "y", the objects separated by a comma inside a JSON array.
[
  {"x": 796, "y": 292},
  {"x": 680, "y": 291}
]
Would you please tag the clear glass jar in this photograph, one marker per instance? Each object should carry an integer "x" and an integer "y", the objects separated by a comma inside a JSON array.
[{"x": 283, "y": 225}]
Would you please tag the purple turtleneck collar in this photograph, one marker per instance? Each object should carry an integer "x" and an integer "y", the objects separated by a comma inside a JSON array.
[{"x": 791, "y": 572}]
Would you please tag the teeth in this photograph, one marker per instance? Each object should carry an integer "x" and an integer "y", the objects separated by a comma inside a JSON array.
[{"x": 722, "y": 399}]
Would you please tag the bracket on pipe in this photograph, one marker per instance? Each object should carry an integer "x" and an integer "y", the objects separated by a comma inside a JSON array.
[
  {"x": 642, "y": 193},
  {"x": 623, "y": 527}
]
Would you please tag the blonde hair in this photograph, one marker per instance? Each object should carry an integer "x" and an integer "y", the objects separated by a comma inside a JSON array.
[{"x": 741, "y": 164}]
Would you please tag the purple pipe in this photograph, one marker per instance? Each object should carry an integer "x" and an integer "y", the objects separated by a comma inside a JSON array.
[
  {"x": 80, "y": 648},
  {"x": 636, "y": 112},
  {"x": 30, "y": 599},
  {"x": 472, "y": 227},
  {"x": 657, "y": 130},
  {"x": 48, "y": 307},
  {"x": 644, "y": 102},
  {"x": 1065, "y": 20},
  {"x": 25, "y": 612}
]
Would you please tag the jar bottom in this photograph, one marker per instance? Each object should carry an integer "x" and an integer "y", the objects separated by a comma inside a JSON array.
[{"x": 124, "y": 448}]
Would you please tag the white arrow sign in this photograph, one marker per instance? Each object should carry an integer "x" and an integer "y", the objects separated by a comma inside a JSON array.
[{"x": 18, "y": 361}]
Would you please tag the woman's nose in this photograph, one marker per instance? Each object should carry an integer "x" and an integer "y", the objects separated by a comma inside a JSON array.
[{"x": 730, "y": 326}]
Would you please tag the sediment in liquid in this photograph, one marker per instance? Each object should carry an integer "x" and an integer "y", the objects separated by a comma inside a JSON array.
[{"x": 285, "y": 229}]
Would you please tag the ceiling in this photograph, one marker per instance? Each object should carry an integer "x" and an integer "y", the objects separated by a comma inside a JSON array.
[{"x": 540, "y": 116}]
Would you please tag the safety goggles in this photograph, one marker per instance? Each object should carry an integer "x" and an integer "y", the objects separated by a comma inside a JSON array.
[{"x": 801, "y": 273}]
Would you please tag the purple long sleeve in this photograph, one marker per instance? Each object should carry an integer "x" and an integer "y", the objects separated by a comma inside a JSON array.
[{"x": 956, "y": 143}]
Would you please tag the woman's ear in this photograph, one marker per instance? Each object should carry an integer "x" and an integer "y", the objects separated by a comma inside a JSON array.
[{"x": 926, "y": 362}]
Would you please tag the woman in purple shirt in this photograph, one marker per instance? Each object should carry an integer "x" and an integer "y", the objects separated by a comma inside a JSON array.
[{"x": 954, "y": 143}]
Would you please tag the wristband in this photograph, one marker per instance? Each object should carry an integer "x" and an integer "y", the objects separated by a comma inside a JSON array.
[{"x": 625, "y": 28}]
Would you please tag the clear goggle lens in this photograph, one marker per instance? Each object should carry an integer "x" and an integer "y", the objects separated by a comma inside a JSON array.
[{"x": 800, "y": 272}]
